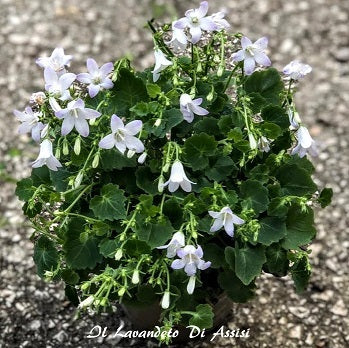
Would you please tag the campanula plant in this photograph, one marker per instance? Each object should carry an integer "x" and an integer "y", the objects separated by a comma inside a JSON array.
[{"x": 174, "y": 185}]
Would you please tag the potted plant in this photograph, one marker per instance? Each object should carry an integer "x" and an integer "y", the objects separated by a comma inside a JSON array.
[{"x": 170, "y": 190}]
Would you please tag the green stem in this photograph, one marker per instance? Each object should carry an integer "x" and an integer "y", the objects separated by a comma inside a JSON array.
[{"x": 230, "y": 77}]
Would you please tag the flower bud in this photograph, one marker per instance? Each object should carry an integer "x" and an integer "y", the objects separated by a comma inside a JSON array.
[
  {"x": 38, "y": 98},
  {"x": 252, "y": 140},
  {"x": 220, "y": 71},
  {"x": 135, "y": 277},
  {"x": 65, "y": 147},
  {"x": 211, "y": 94},
  {"x": 95, "y": 161},
  {"x": 58, "y": 153},
  {"x": 118, "y": 255},
  {"x": 104, "y": 301},
  {"x": 142, "y": 158},
  {"x": 92, "y": 121},
  {"x": 161, "y": 184},
  {"x": 87, "y": 302},
  {"x": 166, "y": 167},
  {"x": 130, "y": 153},
  {"x": 78, "y": 179},
  {"x": 157, "y": 122},
  {"x": 85, "y": 286},
  {"x": 77, "y": 146},
  {"x": 121, "y": 291},
  {"x": 165, "y": 302}
]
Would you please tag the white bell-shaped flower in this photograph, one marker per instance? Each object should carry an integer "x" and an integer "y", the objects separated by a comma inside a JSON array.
[
  {"x": 46, "y": 157},
  {"x": 178, "y": 178}
]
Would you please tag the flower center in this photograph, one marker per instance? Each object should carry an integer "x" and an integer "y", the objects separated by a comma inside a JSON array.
[
  {"x": 195, "y": 20},
  {"x": 75, "y": 113},
  {"x": 119, "y": 136}
]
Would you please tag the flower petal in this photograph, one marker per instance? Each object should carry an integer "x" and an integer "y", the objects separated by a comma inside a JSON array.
[
  {"x": 262, "y": 59},
  {"x": 93, "y": 90},
  {"x": 195, "y": 33},
  {"x": 82, "y": 127},
  {"x": 90, "y": 113},
  {"x": 238, "y": 56},
  {"x": 120, "y": 146},
  {"x": 134, "y": 144},
  {"x": 92, "y": 66},
  {"x": 190, "y": 269},
  {"x": 107, "y": 142},
  {"x": 67, "y": 125},
  {"x": 186, "y": 186},
  {"x": 208, "y": 24},
  {"x": 134, "y": 127},
  {"x": 66, "y": 80},
  {"x": 202, "y": 10},
  {"x": 84, "y": 78},
  {"x": 217, "y": 225},
  {"x": 249, "y": 65},
  {"x": 116, "y": 123},
  {"x": 106, "y": 68},
  {"x": 245, "y": 42},
  {"x": 198, "y": 110},
  {"x": 181, "y": 23},
  {"x": 178, "y": 264},
  {"x": 262, "y": 43},
  {"x": 173, "y": 186}
]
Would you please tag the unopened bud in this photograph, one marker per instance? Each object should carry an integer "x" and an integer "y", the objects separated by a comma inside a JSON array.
[
  {"x": 104, "y": 302},
  {"x": 142, "y": 158},
  {"x": 199, "y": 67},
  {"x": 166, "y": 167},
  {"x": 65, "y": 147},
  {"x": 58, "y": 153},
  {"x": 220, "y": 71},
  {"x": 165, "y": 302},
  {"x": 78, "y": 179},
  {"x": 130, "y": 153},
  {"x": 118, "y": 255},
  {"x": 161, "y": 184},
  {"x": 95, "y": 161},
  {"x": 211, "y": 94},
  {"x": 87, "y": 302},
  {"x": 85, "y": 286},
  {"x": 252, "y": 140},
  {"x": 157, "y": 122},
  {"x": 121, "y": 292},
  {"x": 92, "y": 121},
  {"x": 77, "y": 146},
  {"x": 135, "y": 277}
]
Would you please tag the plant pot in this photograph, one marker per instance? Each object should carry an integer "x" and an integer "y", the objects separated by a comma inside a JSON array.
[{"x": 146, "y": 317}]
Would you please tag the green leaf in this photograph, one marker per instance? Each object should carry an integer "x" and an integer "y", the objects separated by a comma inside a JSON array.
[
  {"x": 153, "y": 233},
  {"x": 277, "y": 261},
  {"x": 31, "y": 209},
  {"x": 208, "y": 125},
  {"x": 40, "y": 176},
  {"x": 221, "y": 168},
  {"x": 59, "y": 179},
  {"x": 278, "y": 207},
  {"x": 300, "y": 229},
  {"x": 325, "y": 197},
  {"x": 214, "y": 253},
  {"x": 70, "y": 276},
  {"x": 295, "y": 181},
  {"x": 270, "y": 130},
  {"x": 114, "y": 159},
  {"x": 301, "y": 271},
  {"x": 248, "y": 262},
  {"x": 110, "y": 205},
  {"x": 276, "y": 115},
  {"x": 153, "y": 90},
  {"x": 80, "y": 254},
  {"x": 147, "y": 181},
  {"x": 229, "y": 255},
  {"x": 170, "y": 119},
  {"x": 127, "y": 92},
  {"x": 203, "y": 317},
  {"x": 267, "y": 84},
  {"x": 25, "y": 189},
  {"x": 255, "y": 196},
  {"x": 234, "y": 288},
  {"x": 108, "y": 247},
  {"x": 197, "y": 148},
  {"x": 45, "y": 256},
  {"x": 272, "y": 230},
  {"x": 136, "y": 248}
]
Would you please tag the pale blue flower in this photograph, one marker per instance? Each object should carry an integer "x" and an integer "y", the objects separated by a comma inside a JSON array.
[
  {"x": 305, "y": 143},
  {"x": 30, "y": 122},
  {"x": 296, "y": 70},
  {"x": 252, "y": 53},
  {"x": 189, "y": 107},
  {"x": 176, "y": 243},
  {"x": 75, "y": 115},
  {"x": 123, "y": 136},
  {"x": 58, "y": 61},
  {"x": 58, "y": 86},
  {"x": 46, "y": 157},
  {"x": 196, "y": 21},
  {"x": 97, "y": 77},
  {"x": 161, "y": 63},
  {"x": 225, "y": 218}
]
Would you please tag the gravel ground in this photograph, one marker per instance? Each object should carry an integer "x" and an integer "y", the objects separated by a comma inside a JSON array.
[{"x": 35, "y": 314}]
